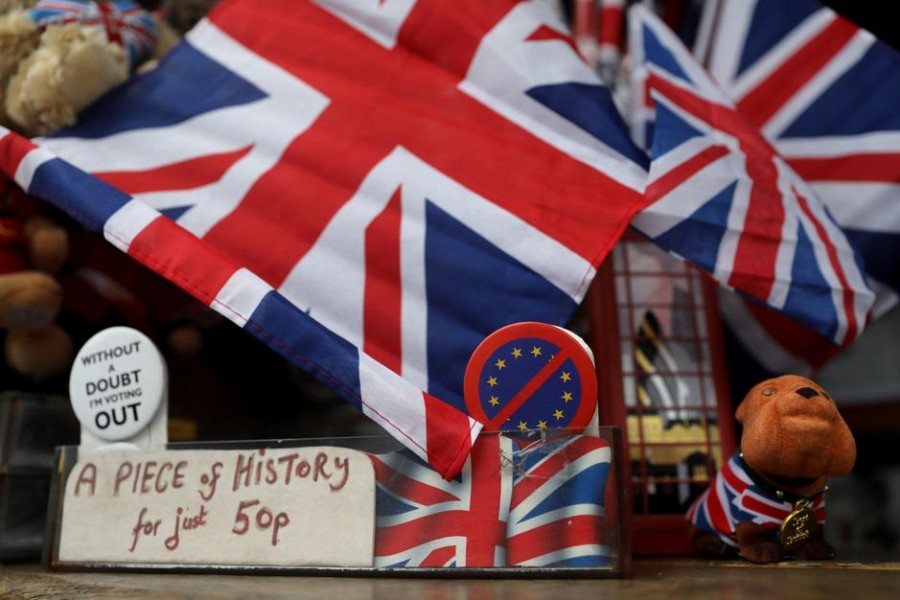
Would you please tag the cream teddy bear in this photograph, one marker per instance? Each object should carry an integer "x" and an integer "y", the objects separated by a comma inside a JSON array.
[{"x": 58, "y": 56}]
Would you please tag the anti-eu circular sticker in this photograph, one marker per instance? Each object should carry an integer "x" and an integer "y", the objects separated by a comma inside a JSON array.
[{"x": 531, "y": 376}]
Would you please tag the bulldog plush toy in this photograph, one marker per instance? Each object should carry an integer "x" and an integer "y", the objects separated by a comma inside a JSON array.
[{"x": 768, "y": 500}]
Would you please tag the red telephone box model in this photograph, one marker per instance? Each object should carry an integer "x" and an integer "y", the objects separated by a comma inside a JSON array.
[{"x": 658, "y": 343}]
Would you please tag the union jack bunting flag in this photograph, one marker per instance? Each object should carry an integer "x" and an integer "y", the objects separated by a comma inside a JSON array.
[
  {"x": 725, "y": 200},
  {"x": 733, "y": 498},
  {"x": 516, "y": 503},
  {"x": 369, "y": 187},
  {"x": 827, "y": 95}
]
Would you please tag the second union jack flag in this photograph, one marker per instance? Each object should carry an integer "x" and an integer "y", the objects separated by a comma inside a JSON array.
[
  {"x": 826, "y": 93},
  {"x": 724, "y": 199},
  {"x": 519, "y": 501}
]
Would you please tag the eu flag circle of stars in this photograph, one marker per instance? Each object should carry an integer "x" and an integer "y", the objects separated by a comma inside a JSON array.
[{"x": 531, "y": 376}]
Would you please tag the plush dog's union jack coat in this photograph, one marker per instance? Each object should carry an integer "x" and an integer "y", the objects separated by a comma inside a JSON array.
[{"x": 733, "y": 497}]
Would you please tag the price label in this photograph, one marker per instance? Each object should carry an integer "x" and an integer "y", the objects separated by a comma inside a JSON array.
[{"x": 311, "y": 506}]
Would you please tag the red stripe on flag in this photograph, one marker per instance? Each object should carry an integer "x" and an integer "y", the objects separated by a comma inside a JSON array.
[
  {"x": 393, "y": 539},
  {"x": 578, "y": 530},
  {"x": 440, "y": 557},
  {"x": 867, "y": 167},
  {"x": 756, "y": 254},
  {"x": 13, "y": 149},
  {"x": 758, "y": 507},
  {"x": 450, "y": 43},
  {"x": 718, "y": 517},
  {"x": 545, "y": 33},
  {"x": 185, "y": 175},
  {"x": 177, "y": 255},
  {"x": 546, "y": 470},
  {"x": 485, "y": 522},
  {"x": 110, "y": 23},
  {"x": 847, "y": 291},
  {"x": 478, "y": 519},
  {"x": 553, "y": 465},
  {"x": 383, "y": 288},
  {"x": 442, "y": 422},
  {"x": 674, "y": 178},
  {"x": 731, "y": 478},
  {"x": 413, "y": 490},
  {"x": 776, "y": 90},
  {"x": 611, "y": 26},
  {"x": 583, "y": 21},
  {"x": 530, "y": 388}
]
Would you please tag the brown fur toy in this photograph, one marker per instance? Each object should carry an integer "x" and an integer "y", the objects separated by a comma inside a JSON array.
[
  {"x": 32, "y": 250},
  {"x": 768, "y": 500}
]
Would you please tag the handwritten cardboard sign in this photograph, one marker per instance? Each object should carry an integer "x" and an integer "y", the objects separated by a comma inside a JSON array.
[{"x": 285, "y": 506}]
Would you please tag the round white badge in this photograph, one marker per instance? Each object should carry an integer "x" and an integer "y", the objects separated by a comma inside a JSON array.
[{"x": 117, "y": 383}]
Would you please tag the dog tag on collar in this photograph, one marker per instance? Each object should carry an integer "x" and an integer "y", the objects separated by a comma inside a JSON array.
[{"x": 799, "y": 526}]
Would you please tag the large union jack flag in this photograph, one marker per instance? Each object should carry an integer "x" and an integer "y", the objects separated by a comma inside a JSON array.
[
  {"x": 726, "y": 201},
  {"x": 516, "y": 503},
  {"x": 827, "y": 95},
  {"x": 370, "y": 187}
]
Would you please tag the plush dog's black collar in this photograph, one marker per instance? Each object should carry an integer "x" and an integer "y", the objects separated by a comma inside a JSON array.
[{"x": 773, "y": 490}]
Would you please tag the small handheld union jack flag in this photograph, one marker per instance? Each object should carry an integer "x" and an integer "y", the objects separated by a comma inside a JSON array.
[{"x": 531, "y": 376}]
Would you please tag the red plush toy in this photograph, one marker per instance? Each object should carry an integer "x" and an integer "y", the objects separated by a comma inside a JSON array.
[{"x": 768, "y": 500}]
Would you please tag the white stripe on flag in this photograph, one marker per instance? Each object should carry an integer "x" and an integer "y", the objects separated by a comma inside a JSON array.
[
  {"x": 29, "y": 164},
  {"x": 565, "y": 554},
  {"x": 840, "y": 145},
  {"x": 850, "y": 54},
  {"x": 240, "y": 296},
  {"x": 393, "y": 403},
  {"x": 126, "y": 223},
  {"x": 738, "y": 86}
]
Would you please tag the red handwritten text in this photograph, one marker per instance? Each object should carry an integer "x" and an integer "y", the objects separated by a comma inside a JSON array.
[
  {"x": 148, "y": 477},
  {"x": 256, "y": 469},
  {"x": 265, "y": 519}
]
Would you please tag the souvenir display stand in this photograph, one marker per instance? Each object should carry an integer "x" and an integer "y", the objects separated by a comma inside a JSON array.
[
  {"x": 299, "y": 523},
  {"x": 529, "y": 501}
]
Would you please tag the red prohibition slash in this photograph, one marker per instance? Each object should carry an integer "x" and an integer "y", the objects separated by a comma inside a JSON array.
[{"x": 569, "y": 348}]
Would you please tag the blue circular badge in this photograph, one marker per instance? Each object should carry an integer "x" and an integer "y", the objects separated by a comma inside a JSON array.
[{"x": 530, "y": 376}]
